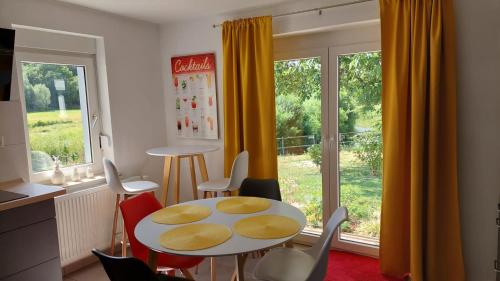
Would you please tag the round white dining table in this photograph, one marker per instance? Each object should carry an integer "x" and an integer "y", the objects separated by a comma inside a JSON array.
[
  {"x": 148, "y": 233},
  {"x": 175, "y": 154}
]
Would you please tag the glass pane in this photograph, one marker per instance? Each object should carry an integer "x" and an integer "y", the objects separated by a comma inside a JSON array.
[
  {"x": 360, "y": 146},
  {"x": 298, "y": 130},
  {"x": 56, "y": 106}
]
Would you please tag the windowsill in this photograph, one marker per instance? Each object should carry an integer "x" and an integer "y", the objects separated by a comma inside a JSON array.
[{"x": 85, "y": 183}]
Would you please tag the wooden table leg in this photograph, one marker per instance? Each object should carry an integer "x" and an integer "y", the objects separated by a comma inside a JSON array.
[
  {"x": 239, "y": 271},
  {"x": 166, "y": 178},
  {"x": 212, "y": 269},
  {"x": 152, "y": 260},
  {"x": 203, "y": 167},
  {"x": 193, "y": 178},
  {"x": 177, "y": 179}
]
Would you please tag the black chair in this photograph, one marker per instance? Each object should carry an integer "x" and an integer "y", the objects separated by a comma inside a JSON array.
[
  {"x": 264, "y": 188},
  {"x": 130, "y": 269}
]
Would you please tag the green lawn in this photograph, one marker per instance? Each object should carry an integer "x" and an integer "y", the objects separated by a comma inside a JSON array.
[
  {"x": 300, "y": 182},
  {"x": 54, "y": 135}
]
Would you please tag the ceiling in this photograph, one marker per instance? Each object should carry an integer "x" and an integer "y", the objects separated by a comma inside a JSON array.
[{"x": 164, "y": 11}]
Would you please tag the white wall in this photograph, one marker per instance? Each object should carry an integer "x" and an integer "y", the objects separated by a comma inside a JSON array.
[
  {"x": 132, "y": 50},
  {"x": 478, "y": 44},
  {"x": 478, "y": 106}
]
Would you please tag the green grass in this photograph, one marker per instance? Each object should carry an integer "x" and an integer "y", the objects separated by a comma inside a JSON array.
[
  {"x": 56, "y": 135},
  {"x": 300, "y": 181}
]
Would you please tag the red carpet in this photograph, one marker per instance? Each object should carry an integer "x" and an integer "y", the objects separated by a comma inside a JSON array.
[{"x": 344, "y": 266}]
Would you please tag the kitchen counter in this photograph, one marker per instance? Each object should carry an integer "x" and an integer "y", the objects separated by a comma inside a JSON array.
[
  {"x": 36, "y": 193},
  {"x": 28, "y": 233}
]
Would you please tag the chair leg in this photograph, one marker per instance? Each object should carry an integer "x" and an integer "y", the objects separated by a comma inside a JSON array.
[
  {"x": 187, "y": 274},
  {"x": 124, "y": 233},
  {"x": 196, "y": 269},
  {"x": 214, "y": 194},
  {"x": 212, "y": 269},
  {"x": 115, "y": 222},
  {"x": 205, "y": 194}
]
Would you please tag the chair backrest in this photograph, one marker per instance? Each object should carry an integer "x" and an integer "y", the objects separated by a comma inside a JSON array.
[
  {"x": 112, "y": 178},
  {"x": 133, "y": 211},
  {"x": 128, "y": 269},
  {"x": 321, "y": 248},
  {"x": 239, "y": 171},
  {"x": 265, "y": 188},
  {"x": 125, "y": 269}
]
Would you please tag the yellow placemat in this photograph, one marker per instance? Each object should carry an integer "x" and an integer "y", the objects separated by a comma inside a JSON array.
[
  {"x": 181, "y": 214},
  {"x": 195, "y": 236},
  {"x": 243, "y": 205},
  {"x": 266, "y": 227}
]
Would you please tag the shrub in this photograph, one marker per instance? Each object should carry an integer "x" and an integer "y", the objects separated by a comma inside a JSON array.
[
  {"x": 369, "y": 150},
  {"x": 315, "y": 153},
  {"x": 314, "y": 211},
  {"x": 289, "y": 116},
  {"x": 312, "y": 117},
  {"x": 41, "y": 97}
]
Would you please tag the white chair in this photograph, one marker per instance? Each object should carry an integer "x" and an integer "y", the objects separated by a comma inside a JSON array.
[
  {"x": 288, "y": 264},
  {"x": 125, "y": 189},
  {"x": 239, "y": 172}
]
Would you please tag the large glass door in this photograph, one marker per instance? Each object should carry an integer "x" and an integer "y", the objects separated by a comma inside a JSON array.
[
  {"x": 301, "y": 110},
  {"x": 356, "y": 126},
  {"x": 328, "y": 125}
]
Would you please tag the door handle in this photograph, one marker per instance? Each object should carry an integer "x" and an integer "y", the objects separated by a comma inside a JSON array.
[{"x": 94, "y": 120}]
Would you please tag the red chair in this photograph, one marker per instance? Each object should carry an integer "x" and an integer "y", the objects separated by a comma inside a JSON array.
[{"x": 133, "y": 211}]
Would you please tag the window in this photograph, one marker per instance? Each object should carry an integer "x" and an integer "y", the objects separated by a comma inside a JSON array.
[{"x": 62, "y": 114}]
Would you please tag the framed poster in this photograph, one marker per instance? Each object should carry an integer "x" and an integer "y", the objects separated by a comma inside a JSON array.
[{"x": 193, "y": 82}]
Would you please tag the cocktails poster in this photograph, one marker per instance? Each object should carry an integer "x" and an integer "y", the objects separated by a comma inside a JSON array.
[{"x": 193, "y": 82}]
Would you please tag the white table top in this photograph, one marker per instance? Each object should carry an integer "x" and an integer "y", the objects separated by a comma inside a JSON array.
[
  {"x": 148, "y": 232},
  {"x": 181, "y": 150}
]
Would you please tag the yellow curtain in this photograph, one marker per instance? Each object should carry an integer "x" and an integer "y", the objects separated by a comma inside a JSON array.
[
  {"x": 420, "y": 228},
  {"x": 249, "y": 112}
]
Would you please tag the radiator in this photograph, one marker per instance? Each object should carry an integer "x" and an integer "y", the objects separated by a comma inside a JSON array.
[{"x": 84, "y": 221}]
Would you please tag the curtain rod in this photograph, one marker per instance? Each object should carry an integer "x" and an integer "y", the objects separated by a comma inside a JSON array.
[{"x": 319, "y": 10}]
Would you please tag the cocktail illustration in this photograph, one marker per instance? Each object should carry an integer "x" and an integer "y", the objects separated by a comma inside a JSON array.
[
  {"x": 210, "y": 121},
  {"x": 209, "y": 79},
  {"x": 186, "y": 121},
  {"x": 210, "y": 101},
  {"x": 177, "y": 103},
  {"x": 179, "y": 126},
  {"x": 195, "y": 127},
  {"x": 193, "y": 102},
  {"x": 176, "y": 82}
]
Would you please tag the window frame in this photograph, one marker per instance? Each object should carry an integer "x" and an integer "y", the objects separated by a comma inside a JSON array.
[{"x": 93, "y": 110}]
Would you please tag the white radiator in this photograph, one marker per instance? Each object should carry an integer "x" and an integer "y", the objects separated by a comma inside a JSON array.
[{"x": 84, "y": 221}]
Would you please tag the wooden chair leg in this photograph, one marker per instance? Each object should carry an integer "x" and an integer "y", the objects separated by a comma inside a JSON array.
[
  {"x": 214, "y": 194},
  {"x": 196, "y": 269},
  {"x": 124, "y": 240},
  {"x": 205, "y": 194},
  {"x": 115, "y": 223},
  {"x": 212, "y": 269},
  {"x": 124, "y": 231},
  {"x": 187, "y": 274}
]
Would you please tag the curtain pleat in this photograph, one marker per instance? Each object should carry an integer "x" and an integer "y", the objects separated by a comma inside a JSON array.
[
  {"x": 249, "y": 102},
  {"x": 420, "y": 227}
]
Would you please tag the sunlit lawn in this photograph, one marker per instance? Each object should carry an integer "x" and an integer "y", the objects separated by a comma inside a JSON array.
[
  {"x": 300, "y": 182},
  {"x": 57, "y": 135}
]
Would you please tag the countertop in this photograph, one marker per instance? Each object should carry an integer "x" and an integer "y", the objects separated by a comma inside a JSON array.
[{"x": 35, "y": 192}]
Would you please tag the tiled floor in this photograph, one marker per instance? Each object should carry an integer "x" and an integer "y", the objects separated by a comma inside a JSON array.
[{"x": 225, "y": 267}]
